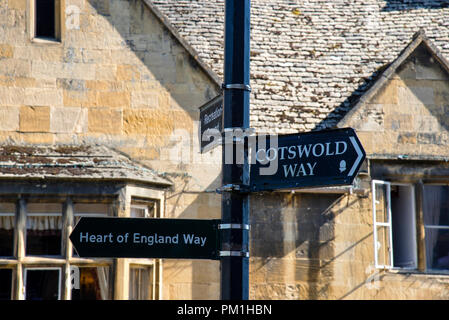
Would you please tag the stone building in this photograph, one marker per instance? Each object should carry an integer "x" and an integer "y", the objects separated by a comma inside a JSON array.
[
  {"x": 99, "y": 105},
  {"x": 97, "y": 98},
  {"x": 379, "y": 66}
]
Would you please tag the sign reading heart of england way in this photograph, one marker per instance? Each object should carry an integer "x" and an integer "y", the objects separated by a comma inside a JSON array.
[
  {"x": 312, "y": 159},
  {"x": 146, "y": 238}
]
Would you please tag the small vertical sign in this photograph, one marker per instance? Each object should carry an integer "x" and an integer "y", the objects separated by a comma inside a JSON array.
[{"x": 211, "y": 124}]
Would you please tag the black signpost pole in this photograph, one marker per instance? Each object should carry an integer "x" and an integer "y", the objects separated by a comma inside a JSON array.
[{"x": 234, "y": 254}]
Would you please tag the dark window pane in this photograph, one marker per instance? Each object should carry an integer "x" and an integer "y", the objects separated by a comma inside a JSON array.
[
  {"x": 436, "y": 205},
  {"x": 436, "y": 221},
  {"x": 42, "y": 284},
  {"x": 45, "y": 18},
  {"x": 93, "y": 284},
  {"x": 7, "y": 224},
  {"x": 6, "y": 235},
  {"x": 437, "y": 249},
  {"x": 5, "y": 284},
  {"x": 44, "y": 226},
  {"x": 43, "y": 242}
]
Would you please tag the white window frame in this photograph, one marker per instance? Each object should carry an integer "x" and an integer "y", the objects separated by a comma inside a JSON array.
[
  {"x": 141, "y": 207},
  {"x": 387, "y": 224},
  {"x": 26, "y": 269}
]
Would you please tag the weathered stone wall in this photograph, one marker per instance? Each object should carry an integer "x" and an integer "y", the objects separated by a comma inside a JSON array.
[
  {"x": 120, "y": 79},
  {"x": 320, "y": 246},
  {"x": 408, "y": 115}
]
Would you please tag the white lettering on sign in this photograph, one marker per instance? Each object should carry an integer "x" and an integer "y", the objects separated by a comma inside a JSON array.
[
  {"x": 212, "y": 116},
  {"x": 155, "y": 239},
  {"x": 299, "y": 170},
  {"x": 137, "y": 238},
  {"x": 317, "y": 150},
  {"x": 192, "y": 239},
  {"x": 302, "y": 151},
  {"x": 158, "y": 239},
  {"x": 97, "y": 238}
]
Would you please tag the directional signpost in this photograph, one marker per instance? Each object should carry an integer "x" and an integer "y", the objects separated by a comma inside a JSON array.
[
  {"x": 312, "y": 159},
  {"x": 146, "y": 238},
  {"x": 304, "y": 160}
]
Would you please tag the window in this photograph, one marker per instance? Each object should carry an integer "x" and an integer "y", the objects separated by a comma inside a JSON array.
[
  {"x": 383, "y": 243},
  {"x": 47, "y": 19},
  {"x": 37, "y": 259},
  {"x": 436, "y": 226},
  {"x": 140, "y": 209},
  {"x": 93, "y": 284},
  {"x": 141, "y": 283},
  {"x": 35, "y": 247},
  {"x": 42, "y": 283},
  {"x": 395, "y": 225},
  {"x": 7, "y": 224},
  {"x": 44, "y": 227}
]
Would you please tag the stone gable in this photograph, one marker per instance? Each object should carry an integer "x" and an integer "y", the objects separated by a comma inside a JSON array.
[
  {"x": 405, "y": 114},
  {"x": 311, "y": 60}
]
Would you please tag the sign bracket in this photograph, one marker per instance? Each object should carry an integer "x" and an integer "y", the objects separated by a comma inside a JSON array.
[
  {"x": 238, "y": 226},
  {"x": 233, "y": 188},
  {"x": 239, "y": 86},
  {"x": 244, "y": 254}
]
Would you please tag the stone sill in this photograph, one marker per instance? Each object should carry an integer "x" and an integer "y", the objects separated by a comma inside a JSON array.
[
  {"x": 444, "y": 275},
  {"x": 46, "y": 41}
]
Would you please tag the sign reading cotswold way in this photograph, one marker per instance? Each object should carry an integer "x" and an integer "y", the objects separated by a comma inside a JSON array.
[
  {"x": 312, "y": 159},
  {"x": 146, "y": 238}
]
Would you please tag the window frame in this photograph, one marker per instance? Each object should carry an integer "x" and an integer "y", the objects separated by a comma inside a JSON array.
[
  {"x": 28, "y": 268},
  {"x": 428, "y": 226},
  {"x": 59, "y": 25},
  {"x": 44, "y": 214},
  {"x": 119, "y": 197},
  {"x": 20, "y": 262},
  {"x": 387, "y": 224},
  {"x": 152, "y": 265},
  {"x": 140, "y": 207},
  {"x": 90, "y": 265},
  {"x": 420, "y": 226}
]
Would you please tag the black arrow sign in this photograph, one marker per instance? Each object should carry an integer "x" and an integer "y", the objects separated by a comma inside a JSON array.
[
  {"x": 146, "y": 238},
  {"x": 312, "y": 159}
]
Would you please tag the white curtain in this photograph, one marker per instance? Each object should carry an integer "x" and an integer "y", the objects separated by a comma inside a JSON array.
[
  {"x": 44, "y": 222},
  {"x": 433, "y": 196},
  {"x": 103, "y": 280},
  {"x": 7, "y": 222}
]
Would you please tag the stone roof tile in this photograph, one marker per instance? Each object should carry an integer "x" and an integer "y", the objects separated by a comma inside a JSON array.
[
  {"x": 73, "y": 162},
  {"x": 311, "y": 56}
]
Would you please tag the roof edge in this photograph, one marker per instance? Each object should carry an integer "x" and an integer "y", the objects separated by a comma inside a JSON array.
[
  {"x": 163, "y": 19},
  {"x": 418, "y": 39},
  {"x": 162, "y": 185}
]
